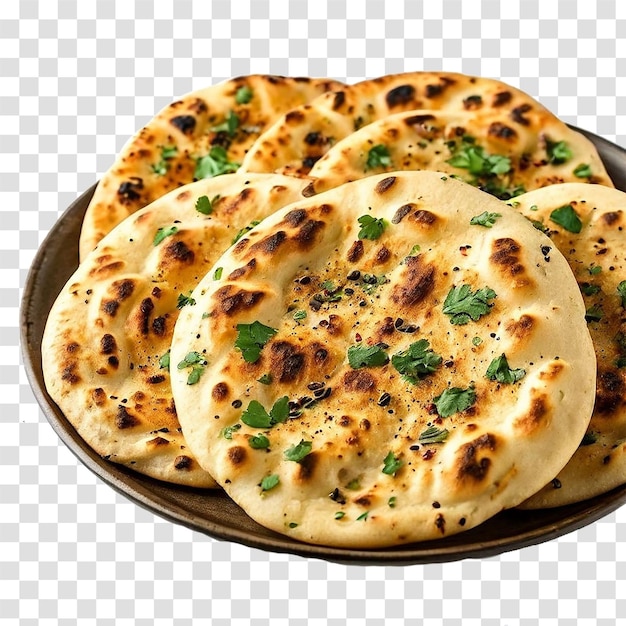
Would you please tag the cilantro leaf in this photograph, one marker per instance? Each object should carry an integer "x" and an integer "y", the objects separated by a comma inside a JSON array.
[
  {"x": 366, "y": 356},
  {"x": 462, "y": 305},
  {"x": 594, "y": 313},
  {"x": 259, "y": 442},
  {"x": 499, "y": 370},
  {"x": 485, "y": 219},
  {"x": 244, "y": 95},
  {"x": 477, "y": 162},
  {"x": 568, "y": 218},
  {"x": 299, "y": 315},
  {"x": 256, "y": 416},
  {"x": 163, "y": 232},
  {"x": 184, "y": 300},
  {"x": 213, "y": 164},
  {"x": 244, "y": 230},
  {"x": 167, "y": 152},
  {"x": 589, "y": 438},
  {"x": 371, "y": 227},
  {"x": 197, "y": 363},
  {"x": 269, "y": 482},
  {"x": 164, "y": 361},
  {"x": 251, "y": 338},
  {"x": 217, "y": 274},
  {"x": 417, "y": 361},
  {"x": 558, "y": 152},
  {"x": 378, "y": 156},
  {"x": 298, "y": 452},
  {"x": 433, "y": 435},
  {"x": 227, "y": 431},
  {"x": 229, "y": 125},
  {"x": 583, "y": 171},
  {"x": 391, "y": 464},
  {"x": 204, "y": 205},
  {"x": 280, "y": 411},
  {"x": 454, "y": 400},
  {"x": 588, "y": 289},
  {"x": 266, "y": 379},
  {"x": 621, "y": 290}
]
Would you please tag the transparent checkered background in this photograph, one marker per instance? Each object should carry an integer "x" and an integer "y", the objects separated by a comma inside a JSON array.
[{"x": 76, "y": 80}]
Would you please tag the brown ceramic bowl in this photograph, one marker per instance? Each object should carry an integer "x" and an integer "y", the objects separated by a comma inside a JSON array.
[{"x": 211, "y": 511}]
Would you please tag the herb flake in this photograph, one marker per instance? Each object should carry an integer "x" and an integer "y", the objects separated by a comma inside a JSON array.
[
  {"x": 500, "y": 371},
  {"x": 391, "y": 464},
  {"x": 485, "y": 219},
  {"x": 366, "y": 356},
  {"x": 378, "y": 156},
  {"x": 462, "y": 305},
  {"x": 454, "y": 400},
  {"x": 163, "y": 232},
  {"x": 371, "y": 227},
  {"x": 417, "y": 361},
  {"x": 566, "y": 217},
  {"x": 251, "y": 338}
]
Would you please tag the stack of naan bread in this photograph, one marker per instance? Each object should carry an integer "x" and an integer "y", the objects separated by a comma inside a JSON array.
[{"x": 373, "y": 314}]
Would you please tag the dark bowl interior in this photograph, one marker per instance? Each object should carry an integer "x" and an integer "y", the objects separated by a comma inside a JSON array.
[{"x": 211, "y": 511}]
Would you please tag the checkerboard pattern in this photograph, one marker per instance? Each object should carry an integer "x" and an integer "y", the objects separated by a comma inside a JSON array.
[{"x": 76, "y": 80}]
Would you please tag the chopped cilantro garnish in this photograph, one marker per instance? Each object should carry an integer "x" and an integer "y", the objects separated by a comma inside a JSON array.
[
  {"x": 485, "y": 219},
  {"x": 583, "y": 170},
  {"x": 204, "y": 205},
  {"x": 244, "y": 95},
  {"x": 392, "y": 502},
  {"x": 163, "y": 232},
  {"x": 566, "y": 217},
  {"x": 539, "y": 225},
  {"x": 227, "y": 431},
  {"x": 476, "y": 341},
  {"x": 474, "y": 159},
  {"x": 266, "y": 379},
  {"x": 259, "y": 442},
  {"x": 371, "y": 227},
  {"x": 500, "y": 371},
  {"x": 594, "y": 313},
  {"x": 594, "y": 269},
  {"x": 366, "y": 356},
  {"x": 298, "y": 452},
  {"x": 588, "y": 289},
  {"x": 433, "y": 435},
  {"x": 217, "y": 274},
  {"x": 244, "y": 230},
  {"x": 256, "y": 416},
  {"x": 462, "y": 305},
  {"x": 164, "y": 361},
  {"x": 354, "y": 484},
  {"x": 621, "y": 290},
  {"x": 417, "y": 361},
  {"x": 454, "y": 400},
  {"x": 251, "y": 338},
  {"x": 378, "y": 156},
  {"x": 184, "y": 300},
  {"x": 558, "y": 152},
  {"x": 391, "y": 464},
  {"x": 197, "y": 363},
  {"x": 339, "y": 514},
  {"x": 589, "y": 438},
  {"x": 213, "y": 164},
  {"x": 299, "y": 315},
  {"x": 269, "y": 482},
  {"x": 229, "y": 125},
  {"x": 372, "y": 282},
  {"x": 362, "y": 517},
  {"x": 167, "y": 152},
  {"x": 414, "y": 250}
]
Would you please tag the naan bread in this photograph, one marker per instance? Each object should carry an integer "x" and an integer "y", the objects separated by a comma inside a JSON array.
[
  {"x": 295, "y": 142},
  {"x": 597, "y": 256},
  {"x": 223, "y": 120},
  {"x": 108, "y": 335},
  {"x": 343, "y": 397},
  {"x": 480, "y": 147}
]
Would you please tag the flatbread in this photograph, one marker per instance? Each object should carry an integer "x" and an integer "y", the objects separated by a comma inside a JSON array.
[
  {"x": 164, "y": 154},
  {"x": 480, "y": 147},
  {"x": 597, "y": 256},
  {"x": 312, "y": 303},
  {"x": 111, "y": 326},
  {"x": 296, "y": 141}
]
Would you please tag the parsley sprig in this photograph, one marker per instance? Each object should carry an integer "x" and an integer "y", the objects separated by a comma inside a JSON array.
[
  {"x": 371, "y": 227},
  {"x": 463, "y": 305}
]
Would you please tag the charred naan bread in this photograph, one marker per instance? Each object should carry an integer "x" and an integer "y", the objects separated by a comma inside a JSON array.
[
  {"x": 203, "y": 134},
  {"x": 397, "y": 359},
  {"x": 480, "y": 147},
  {"x": 294, "y": 143},
  {"x": 587, "y": 224},
  {"x": 106, "y": 343}
]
